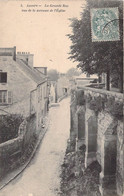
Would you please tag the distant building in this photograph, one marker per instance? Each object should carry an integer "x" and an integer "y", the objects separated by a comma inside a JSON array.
[
  {"x": 52, "y": 93},
  {"x": 85, "y": 79},
  {"x": 62, "y": 86},
  {"x": 23, "y": 88},
  {"x": 59, "y": 89}
]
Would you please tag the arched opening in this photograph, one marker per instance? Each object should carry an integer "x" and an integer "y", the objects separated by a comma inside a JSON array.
[{"x": 91, "y": 143}]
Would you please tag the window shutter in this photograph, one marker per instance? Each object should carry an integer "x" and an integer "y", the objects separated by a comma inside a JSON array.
[{"x": 9, "y": 97}]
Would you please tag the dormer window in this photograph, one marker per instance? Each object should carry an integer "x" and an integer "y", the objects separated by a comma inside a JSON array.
[{"x": 3, "y": 77}]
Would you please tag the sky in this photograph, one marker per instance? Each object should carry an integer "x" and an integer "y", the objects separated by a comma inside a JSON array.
[{"x": 40, "y": 33}]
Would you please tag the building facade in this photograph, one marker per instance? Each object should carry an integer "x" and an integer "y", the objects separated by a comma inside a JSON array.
[{"x": 23, "y": 88}]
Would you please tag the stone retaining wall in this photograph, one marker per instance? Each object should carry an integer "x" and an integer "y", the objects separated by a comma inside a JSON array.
[
  {"x": 100, "y": 123},
  {"x": 120, "y": 158},
  {"x": 12, "y": 150}
]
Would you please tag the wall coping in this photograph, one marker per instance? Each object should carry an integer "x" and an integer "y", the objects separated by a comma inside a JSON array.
[
  {"x": 20, "y": 135},
  {"x": 102, "y": 91},
  {"x": 9, "y": 142}
]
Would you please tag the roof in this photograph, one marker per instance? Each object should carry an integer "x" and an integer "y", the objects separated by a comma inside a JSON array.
[
  {"x": 39, "y": 72},
  {"x": 31, "y": 72}
]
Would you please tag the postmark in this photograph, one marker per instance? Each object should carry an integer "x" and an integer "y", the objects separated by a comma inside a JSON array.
[{"x": 105, "y": 24}]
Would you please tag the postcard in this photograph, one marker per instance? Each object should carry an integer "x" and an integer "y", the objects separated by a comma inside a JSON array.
[{"x": 61, "y": 98}]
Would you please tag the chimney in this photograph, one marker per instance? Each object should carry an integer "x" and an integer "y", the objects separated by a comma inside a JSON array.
[
  {"x": 26, "y": 57},
  {"x": 14, "y": 53},
  {"x": 8, "y": 52}
]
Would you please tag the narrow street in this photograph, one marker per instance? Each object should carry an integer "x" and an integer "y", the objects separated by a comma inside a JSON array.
[{"x": 42, "y": 177}]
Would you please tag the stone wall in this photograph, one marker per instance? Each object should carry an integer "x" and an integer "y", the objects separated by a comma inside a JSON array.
[
  {"x": 12, "y": 150},
  {"x": 120, "y": 158},
  {"x": 97, "y": 115},
  {"x": 73, "y": 123}
]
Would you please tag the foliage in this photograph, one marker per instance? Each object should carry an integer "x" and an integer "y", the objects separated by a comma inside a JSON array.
[
  {"x": 96, "y": 103},
  {"x": 96, "y": 57},
  {"x": 75, "y": 178},
  {"x": 9, "y": 125},
  {"x": 109, "y": 104},
  {"x": 72, "y": 94},
  {"x": 115, "y": 107},
  {"x": 115, "y": 79},
  {"x": 73, "y": 72},
  {"x": 80, "y": 97},
  {"x": 53, "y": 75},
  {"x": 15, "y": 161}
]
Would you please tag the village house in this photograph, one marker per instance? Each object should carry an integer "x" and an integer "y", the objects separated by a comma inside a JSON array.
[
  {"x": 62, "y": 86},
  {"x": 85, "y": 79},
  {"x": 23, "y": 88},
  {"x": 59, "y": 89}
]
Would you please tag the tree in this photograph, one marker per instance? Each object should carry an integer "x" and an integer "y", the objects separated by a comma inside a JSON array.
[
  {"x": 97, "y": 57},
  {"x": 73, "y": 72},
  {"x": 53, "y": 74}
]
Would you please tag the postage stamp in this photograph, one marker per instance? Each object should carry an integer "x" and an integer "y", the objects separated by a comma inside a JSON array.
[{"x": 105, "y": 24}]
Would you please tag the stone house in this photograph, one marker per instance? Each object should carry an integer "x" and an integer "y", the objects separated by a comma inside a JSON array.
[
  {"x": 59, "y": 89},
  {"x": 62, "y": 86},
  {"x": 85, "y": 79},
  {"x": 23, "y": 88}
]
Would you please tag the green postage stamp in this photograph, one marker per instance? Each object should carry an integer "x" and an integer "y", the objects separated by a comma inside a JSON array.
[{"x": 105, "y": 24}]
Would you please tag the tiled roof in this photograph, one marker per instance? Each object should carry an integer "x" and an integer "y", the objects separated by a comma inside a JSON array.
[{"x": 31, "y": 72}]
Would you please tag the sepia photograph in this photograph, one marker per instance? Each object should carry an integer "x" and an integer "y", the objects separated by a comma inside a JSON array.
[{"x": 61, "y": 98}]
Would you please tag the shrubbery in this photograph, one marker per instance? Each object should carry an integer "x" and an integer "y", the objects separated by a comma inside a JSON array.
[{"x": 9, "y": 125}]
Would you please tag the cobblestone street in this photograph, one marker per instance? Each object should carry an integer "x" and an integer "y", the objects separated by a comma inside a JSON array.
[{"x": 41, "y": 178}]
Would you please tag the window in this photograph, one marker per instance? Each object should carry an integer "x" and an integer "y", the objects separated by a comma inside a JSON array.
[
  {"x": 3, "y": 77},
  {"x": 5, "y": 97}
]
